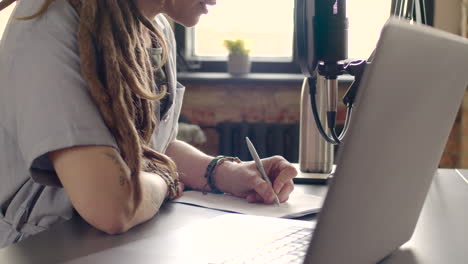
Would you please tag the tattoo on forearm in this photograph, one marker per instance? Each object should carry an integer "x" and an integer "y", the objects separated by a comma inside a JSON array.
[{"x": 123, "y": 177}]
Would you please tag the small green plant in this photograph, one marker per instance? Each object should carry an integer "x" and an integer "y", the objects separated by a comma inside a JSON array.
[{"x": 236, "y": 46}]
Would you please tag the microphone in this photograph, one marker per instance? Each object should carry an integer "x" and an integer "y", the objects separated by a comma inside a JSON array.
[{"x": 331, "y": 31}]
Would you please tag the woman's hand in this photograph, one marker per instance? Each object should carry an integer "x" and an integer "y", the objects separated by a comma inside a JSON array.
[{"x": 244, "y": 180}]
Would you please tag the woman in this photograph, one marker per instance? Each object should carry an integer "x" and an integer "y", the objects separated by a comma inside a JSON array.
[{"x": 89, "y": 102}]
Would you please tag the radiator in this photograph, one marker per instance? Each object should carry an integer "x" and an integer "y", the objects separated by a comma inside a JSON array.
[{"x": 269, "y": 139}]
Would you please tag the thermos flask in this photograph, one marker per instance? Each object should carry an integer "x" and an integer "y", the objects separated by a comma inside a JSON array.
[{"x": 315, "y": 154}]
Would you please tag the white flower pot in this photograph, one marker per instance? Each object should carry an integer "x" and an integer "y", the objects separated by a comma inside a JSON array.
[{"x": 238, "y": 64}]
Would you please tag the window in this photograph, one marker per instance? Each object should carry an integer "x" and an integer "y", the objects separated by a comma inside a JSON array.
[
  {"x": 366, "y": 19},
  {"x": 268, "y": 26},
  {"x": 4, "y": 16}
]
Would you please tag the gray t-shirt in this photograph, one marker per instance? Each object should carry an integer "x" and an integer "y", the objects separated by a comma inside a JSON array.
[{"x": 44, "y": 106}]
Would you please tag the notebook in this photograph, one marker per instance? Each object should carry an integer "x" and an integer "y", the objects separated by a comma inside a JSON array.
[{"x": 298, "y": 204}]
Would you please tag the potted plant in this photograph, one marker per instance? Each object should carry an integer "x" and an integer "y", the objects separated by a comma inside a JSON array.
[{"x": 238, "y": 60}]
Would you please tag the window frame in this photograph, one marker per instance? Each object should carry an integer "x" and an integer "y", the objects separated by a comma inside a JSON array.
[
  {"x": 429, "y": 10},
  {"x": 267, "y": 65}
]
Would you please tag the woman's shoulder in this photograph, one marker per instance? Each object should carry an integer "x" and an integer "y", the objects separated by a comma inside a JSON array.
[
  {"x": 57, "y": 26},
  {"x": 60, "y": 17}
]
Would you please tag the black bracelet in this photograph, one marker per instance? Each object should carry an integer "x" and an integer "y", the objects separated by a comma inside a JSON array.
[{"x": 211, "y": 168}]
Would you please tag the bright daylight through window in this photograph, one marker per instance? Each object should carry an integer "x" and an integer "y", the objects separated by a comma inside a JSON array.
[
  {"x": 267, "y": 27},
  {"x": 4, "y": 15}
]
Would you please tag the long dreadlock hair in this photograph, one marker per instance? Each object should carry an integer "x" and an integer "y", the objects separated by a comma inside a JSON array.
[{"x": 120, "y": 77}]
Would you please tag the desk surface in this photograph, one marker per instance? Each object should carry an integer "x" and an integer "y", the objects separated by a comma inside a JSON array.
[{"x": 441, "y": 235}]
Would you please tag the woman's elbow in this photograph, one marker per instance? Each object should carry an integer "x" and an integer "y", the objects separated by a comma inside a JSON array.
[
  {"x": 112, "y": 226},
  {"x": 112, "y": 223}
]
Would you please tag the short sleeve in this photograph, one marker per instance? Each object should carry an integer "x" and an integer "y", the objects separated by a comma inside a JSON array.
[{"x": 54, "y": 109}]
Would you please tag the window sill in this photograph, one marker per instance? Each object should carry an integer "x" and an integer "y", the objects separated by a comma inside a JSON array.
[{"x": 276, "y": 78}]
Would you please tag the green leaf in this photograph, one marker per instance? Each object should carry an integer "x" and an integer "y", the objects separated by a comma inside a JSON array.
[{"x": 236, "y": 46}]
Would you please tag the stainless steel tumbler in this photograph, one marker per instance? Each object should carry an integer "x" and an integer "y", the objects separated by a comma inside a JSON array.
[{"x": 315, "y": 154}]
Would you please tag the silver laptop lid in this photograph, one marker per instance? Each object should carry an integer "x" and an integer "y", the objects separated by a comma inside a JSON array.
[{"x": 405, "y": 108}]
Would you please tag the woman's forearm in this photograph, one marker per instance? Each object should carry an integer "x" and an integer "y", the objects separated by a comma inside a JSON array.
[
  {"x": 239, "y": 179},
  {"x": 154, "y": 190},
  {"x": 99, "y": 185},
  {"x": 191, "y": 164}
]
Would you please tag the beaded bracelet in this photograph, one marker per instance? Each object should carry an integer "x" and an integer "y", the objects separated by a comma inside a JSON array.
[
  {"x": 211, "y": 168},
  {"x": 172, "y": 185}
]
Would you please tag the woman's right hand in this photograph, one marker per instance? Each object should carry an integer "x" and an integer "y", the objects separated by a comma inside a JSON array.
[{"x": 244, "y": 180}]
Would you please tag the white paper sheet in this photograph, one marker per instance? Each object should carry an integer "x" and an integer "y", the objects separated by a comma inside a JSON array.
[{"x": 298, "y": 204}]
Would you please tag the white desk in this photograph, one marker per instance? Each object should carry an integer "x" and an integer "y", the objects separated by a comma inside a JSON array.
[{"x": 441, "y": 234}]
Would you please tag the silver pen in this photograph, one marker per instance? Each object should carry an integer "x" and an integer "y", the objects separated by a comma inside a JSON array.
[{"x": 259, "y": 164}]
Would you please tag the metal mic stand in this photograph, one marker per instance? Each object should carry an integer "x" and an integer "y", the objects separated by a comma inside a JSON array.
[
  {"x": 321, "y": 36},
  {"x": 318, "y": 112},
  {"x": 321, "y": 40}
]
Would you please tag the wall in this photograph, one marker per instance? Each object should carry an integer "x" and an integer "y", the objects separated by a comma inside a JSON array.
[
  {"x": 209, "y": 103},
  {"x": 447, "y": 17}
]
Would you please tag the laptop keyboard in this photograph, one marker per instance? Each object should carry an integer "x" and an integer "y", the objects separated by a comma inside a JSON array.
[{"x": 287, "y": 246}]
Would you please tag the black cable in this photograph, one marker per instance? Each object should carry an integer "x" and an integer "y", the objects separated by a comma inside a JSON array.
[
  {"x": 331, "y": 119},
  {"x": 335, "y": 136},
  {"x": 349, "y": 112},
  {"x": 312, "y": 90}
]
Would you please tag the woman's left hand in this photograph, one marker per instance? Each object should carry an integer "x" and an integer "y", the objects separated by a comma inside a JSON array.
[{"x": 244, "y": 180}]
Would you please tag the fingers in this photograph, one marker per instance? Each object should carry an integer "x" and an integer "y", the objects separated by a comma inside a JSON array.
[
  {"x": 286, "y": 173},
  {"x": 281, "y": 172},
  {"x": 263, "y": 190},
  {"x": 252, "y": 198},
  {"x": 284, "y": 193}
]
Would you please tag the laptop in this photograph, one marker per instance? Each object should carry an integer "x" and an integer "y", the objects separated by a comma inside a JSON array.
[{"x": 404, "y": 111}]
